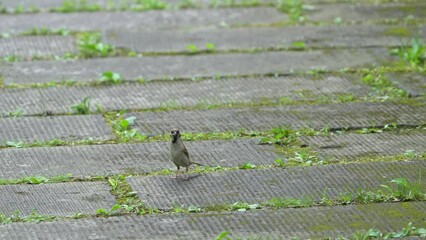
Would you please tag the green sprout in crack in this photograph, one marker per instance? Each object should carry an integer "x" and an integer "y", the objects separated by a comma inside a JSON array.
[
  {"x": 46, "y": 31},
  {"x": 123, "y": 129},
  {"x": 407, "y": 231},
  {"x": 19, "y": 112},
  {"x": 414, "y": 54},
  {"x": 143, "y": 5},
  {"x": 110, "y": 77},
  {"x": 294, "y": 9},
  {"x": 83, "y": 107},
  {"x": 382, "y": 88},
  {"x": 91, "y": 45},
  {"x": 247, "y": 166},
  {"x": 77, "y": 6}
]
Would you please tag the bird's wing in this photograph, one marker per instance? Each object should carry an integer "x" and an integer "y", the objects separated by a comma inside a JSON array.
[{"x": 185, "y": 151}]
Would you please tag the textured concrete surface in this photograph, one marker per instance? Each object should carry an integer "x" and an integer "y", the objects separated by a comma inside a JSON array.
[
  {"x": 37, "y": 46},
  {"x": 166, "y": 67},
  {"x": 258, "y": 186},
  {"x": 57, "y": 199},
  {"x": 318, "y": 222},
  {"x": 182, "y": 93},
  {"x": 69, "y": 128},
  {"x": 84, "y": 21},
  {"x": 345, "y": 115},
  {"x": 413, "y": 83},
  {"x": 103, "y": 160},
  {"x": 177, "y": 40},
  {"x": 355, "y": 146},
  {"x": 382, "y": 12}
]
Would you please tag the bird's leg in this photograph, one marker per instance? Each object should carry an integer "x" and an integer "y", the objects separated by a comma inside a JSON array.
[
  {"x": 186, "y": 173},
  {"x": 177, "y": 172}
]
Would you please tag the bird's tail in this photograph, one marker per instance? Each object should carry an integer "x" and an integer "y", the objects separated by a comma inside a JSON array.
[{"x": 199, "y": 164}]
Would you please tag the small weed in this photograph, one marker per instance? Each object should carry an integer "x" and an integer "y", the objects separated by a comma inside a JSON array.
[
  {"x": 194, "y": 209},
  {"x": 382, "y": 88},
  {"x": 77, "y": 6},
  {"x": 210, "y": 47},
  {"x": 127, "y": 200},
  {"x": 83, "y": 107},
  {"x": 281, "y": 136},
  {"x": 290, "y": 202},
  {"x": 294, "y": 9},
  {"x": 45, "y": 31},
  {"x": 143, "y": 5},
  {"x": 242, "y": 207},
  {"x": 305, "y": 158},
  {"x": 222, "y": 235},
  {"x": 412, "y": 154},
  {"x": 280, "y": 163},
  {"x": 407, "y": 231},
  {"x": 192, "y": 48},
  {"x": 415, "y": 54},
  {"x": 298, "y": 45},
  {"x": 19, "y": 112},
  {"x": 15, "y": 144},
  {"x": 110, "y": 78},
  {"x": 32, "y": 217},
  {"x": 122, "y": 127},
  {"x": 247, "y": 165},
  {"x": 91, "y": 45}
]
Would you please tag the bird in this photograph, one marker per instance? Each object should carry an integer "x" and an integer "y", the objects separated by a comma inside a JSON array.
[{"x": 179, "y": 153}]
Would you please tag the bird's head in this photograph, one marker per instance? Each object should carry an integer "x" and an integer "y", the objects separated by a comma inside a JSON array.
[{"x": 174, "y": 134}]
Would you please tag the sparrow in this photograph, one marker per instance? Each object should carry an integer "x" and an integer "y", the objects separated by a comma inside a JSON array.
[{"x": 179, "y": 153}]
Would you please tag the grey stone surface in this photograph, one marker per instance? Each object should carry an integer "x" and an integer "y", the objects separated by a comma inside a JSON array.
[
  {"x": 58, "y": 199},
  {"x": 335, "y": 116},
  {"x": 258, "y": 186},
  {"x": 305, "y": 223},
  {"x": 37, "y": 46},
  {"x": 46, "y": 5},
  {"x": 366, "y": 12},
  {"x": 353, "y": 146},
  {"x": 413, "y": 83},
  {"x": 177, "y": 40},
  {"x": 70, "y": 128},
  {"x": 84, "y": 21},
  {"x": 104, "y": 160},
  {"x": 191, "y": 66},
  {"x": 181, "y": 93}
]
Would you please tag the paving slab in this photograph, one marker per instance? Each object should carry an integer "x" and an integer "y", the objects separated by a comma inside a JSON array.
[
  {"x": 37, "y": 46},
  {"x": 181, "y": 93},
  {"x": 92, "y": 21},
  {"x": 352, "y": 146},
  {"x": 413, "y": 83},
  {"x": 305, "y": 223},
  {"x": 105, "y": 160},
  {"x": 258, "y": 186},
  {"x": 177, "y": 40},
  {"x": 57, "y": 199},
  {"x": 69, "y": 128},
  {"x": 334, "y": 116},
  {"x": 349, "y": 12},
  {"x": 165, "y": 67}
]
